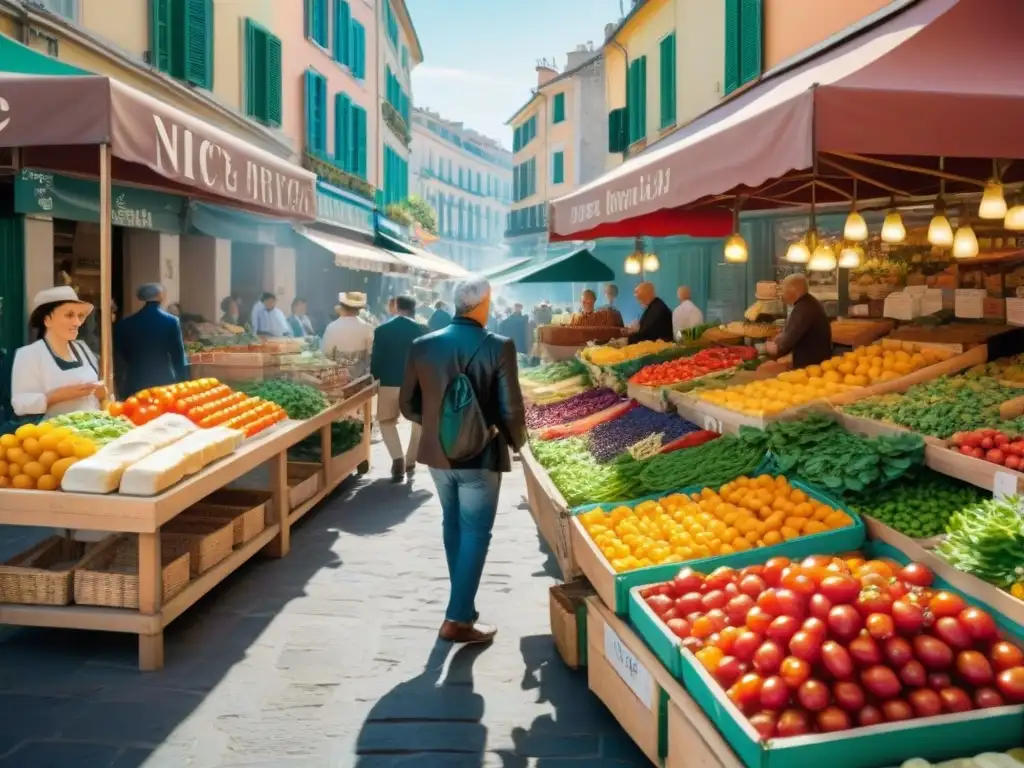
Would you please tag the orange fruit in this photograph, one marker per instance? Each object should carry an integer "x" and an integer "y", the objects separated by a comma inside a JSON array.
[
  {"x": 46, "y": 483},
  {"x": 47, "y": 459},
  {"x": 31, "y": 446},
  {"x": 66, "y": 448},
  {"x": 60, "y": 466},
  {"x": 34, "y": 470},
  {"x": 23, "y": 483}
]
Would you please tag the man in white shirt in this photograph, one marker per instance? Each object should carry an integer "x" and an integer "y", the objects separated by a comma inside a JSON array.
[
  {"x": 349, "y": 339},
  {"x": 267, "y": 319},
  {"x": 686, "y": 315}
]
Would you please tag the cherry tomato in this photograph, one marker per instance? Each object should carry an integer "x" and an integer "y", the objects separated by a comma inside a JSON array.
[
  {"x": 836, "y": 660},
  {"x": 896, "y": 710},
  {"x": 849, "y": 695},
  {"x": 950, "y": 631},
  {"x": 946, "y": 604},
  {"x": 873, "y": 600},
  {"x": 880, "y": 626},
  {"x": 660, "y": 604},
  {"x": 916, "y": 574},
  {"x": 870, "y": 715},
  {"x": 730, "y": 669},
  {"x": 116, "y": 409},
  {"x": 727, "y": 638},
  {"x": 131, "y": 406},
  {"x": 687, "y": 580},
  {"x": 844, "y": 621},
  {"x": 691, "y": 643},
  {"x": 799, "y": 582},
  {"x": 794, "y": 671},
  {"x": 955, "y": 700},
  {"x": 773, "y": 570},
  {"x": 765, "y": 723},
  {"x": 717, "y": 616},
  {"x": 768, "y": 601},
  {"x": 979, "y": 624},
  {"x": 746, "y": 645},
  {"x": 782, "y": 629},
  {"x": 898, "y": 651},
  {"x": 913, "y": 674},
  {"x": 688, "y": 603},
  {"x": 806, "y": 646},
  {"x": 774, "y": 693},
  {"x": 738, "y": 608},
  {"x": 1005, "y": 655},
  {"x": 833, "y": 719},
  {"x": 819, "y": 606},
  {"x": 987, "y": 697},
  {"x": 932, "y": 652},
  {"x": 881, "y": 682},
  {"x": 709, "y": 657},
  {"x": 839, "y": 589},
  {"x": 939, "y": 680},
  {"x": 748, "y": 689},
  {"x": 758, "y": 620},
  {"x": 865, "y": 650},
  {"x": 752, "y": 585},
  {"x": 714, "y": 598},
  {"x": 1010, "y": 683},
  {"x": 792, "y": 722},
  {"x": 813, "y": 695},
  {"x": 767, "y": 660},
  {"x": 908, "y": 615},
  {"x": 974, "y": 668},
  {"x": 925, "y": 702},
  {"x": 719, "y": 577}
]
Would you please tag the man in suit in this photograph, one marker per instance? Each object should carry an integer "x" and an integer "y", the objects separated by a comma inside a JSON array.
[
  {"x": 148, "y": 345},
  {"x": 656, "y": 319},
  {"x": 468, "y": 488},
  {"x": 440, "y": 318},
  {"x": 391, "y": 343}
]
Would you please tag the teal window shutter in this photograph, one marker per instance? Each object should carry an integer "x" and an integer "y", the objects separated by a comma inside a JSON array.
[
  {"x": 667, "y": 82},
  {"x": 342, "y": 35},
  {"x": 316, "y": 22},
  {"x": 357, "y": 51},
  {"x": 516, "y": 143},
  {"x": 618, "y": 130},
  {"x": 558, "y": 108},
  {"x": 732, "y": 46},
  {"x": 558, "y": 168},
  {"x": 359, "y": 137},
  {"x": 273, "y": 76},
  {"x": 642, "y": 98},
  {"x": 191, "y": 35},
  {"x": 316, "y": 123},
  {"x": 262, "y": 74},
  {"x": 160, "y": 34},
  {"x": 750, "y": 43},
  {"x": 343, "y": 134}
]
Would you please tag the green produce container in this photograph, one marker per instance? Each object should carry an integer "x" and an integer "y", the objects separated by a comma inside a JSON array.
[
  {"x": 945, "y": 737},
  {"x": 838, "y": 541}
]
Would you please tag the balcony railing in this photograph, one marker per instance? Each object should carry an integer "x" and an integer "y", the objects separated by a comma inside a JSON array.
[
  {"x": 332, "y": 174},
  {"x": 396, "y": 123}
]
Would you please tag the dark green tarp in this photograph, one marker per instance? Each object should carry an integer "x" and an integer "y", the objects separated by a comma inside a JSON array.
[
  {"x": 15, "y": 57},
  {"x": 579, "y": 266}
]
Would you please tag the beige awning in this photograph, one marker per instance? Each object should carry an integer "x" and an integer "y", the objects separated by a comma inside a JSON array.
[
  {"x": 352, "y": 255},
  {"x": 424, "y": 261}
]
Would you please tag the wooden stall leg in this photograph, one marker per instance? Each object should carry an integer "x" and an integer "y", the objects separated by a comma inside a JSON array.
[
  {"x": 281, "y": 544},
  {"x": 367, "y": 434},
  {"x": 151, "y": 588},
  {"x": 326, "y": 455}
]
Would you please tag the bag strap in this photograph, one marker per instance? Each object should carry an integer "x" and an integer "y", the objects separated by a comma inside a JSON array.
[
  {"x": 87, "y": 355},
  {"x": 472, "y": 357}
]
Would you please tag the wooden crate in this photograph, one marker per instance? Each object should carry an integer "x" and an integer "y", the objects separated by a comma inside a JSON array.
[
  {"x": 109, "y": 574},
  {"x": 568, "y": 610},
  {"x": 207, "y": 541},
  {"x": 693, "y": 741},
  {"x": 550, "y": 512},
  {"x": 43, "y": 574}
]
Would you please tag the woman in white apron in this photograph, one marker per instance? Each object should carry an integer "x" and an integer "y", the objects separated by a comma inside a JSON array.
[{"x": 57, "y": 373}]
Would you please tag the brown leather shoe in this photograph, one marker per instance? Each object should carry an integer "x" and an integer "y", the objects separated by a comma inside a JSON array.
[{"x": 456, "y": 632}]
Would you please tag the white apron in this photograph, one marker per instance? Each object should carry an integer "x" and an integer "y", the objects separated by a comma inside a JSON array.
[{"x": 36, "y": 372}]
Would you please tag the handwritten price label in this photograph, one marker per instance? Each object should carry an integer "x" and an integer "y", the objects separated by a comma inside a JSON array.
[
  {"x": 632, "y": 672},
  {"x": 1004, "y": 485}
]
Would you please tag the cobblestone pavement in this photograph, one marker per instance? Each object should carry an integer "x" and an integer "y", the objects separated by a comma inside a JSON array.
[{"x": 328, "y": 657}]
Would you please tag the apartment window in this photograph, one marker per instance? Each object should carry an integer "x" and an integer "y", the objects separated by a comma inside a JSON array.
[
  {"x": 316, "y": 113},
  {"x": 558, "y": 108},
  {"x": 316, "y": 22},
  {"x": 357, "y": 50},
  {"x": 743, "y": 42},
  {"x": 66, "y": 8},
  {"x": 667, "y": 81},
  {"x": 558, "y": 168},
  {"x": 636, "y": 99},
  {"x": 181, "y": 39},
  {"x": 262, "y": 74}
]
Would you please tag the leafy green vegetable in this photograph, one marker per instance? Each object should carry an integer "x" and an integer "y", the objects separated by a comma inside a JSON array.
[
  {"x": 99, "y": 427},
  {"x": 555, "y": 372},
  {"x": 345, "y": 435},
  {"x": 300, "y": 401},
  {"x": 987, "y": 541}
]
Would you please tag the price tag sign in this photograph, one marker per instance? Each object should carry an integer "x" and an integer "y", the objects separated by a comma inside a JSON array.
[
  {"x": 712, "y": 424},
  {"x": 1004, "y": 485},
  {"x": 630, "y": 670},
  {"x": 647, "y": 448}
]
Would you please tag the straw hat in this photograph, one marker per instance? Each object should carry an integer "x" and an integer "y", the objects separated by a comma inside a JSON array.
[
  {"x": 352, "y": 299},
  {"x": 61, "y": 294}
]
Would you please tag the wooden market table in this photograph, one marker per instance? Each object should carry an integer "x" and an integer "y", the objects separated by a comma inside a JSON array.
[{"x": 146, "y": 515}]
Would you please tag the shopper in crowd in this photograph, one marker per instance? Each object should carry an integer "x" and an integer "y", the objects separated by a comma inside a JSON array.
[
  {"x": 267, "y": 318},
  {"x": 687, "y": 314},
  {"x": 462, "y": 386},
  {"x": 655, "y": 321},
  {"x": 808, "y": 331},
  {"x": 517, "y": 327},
  {"x": 590, "y": 316},
  {"x": 230, "y": 310},
  {"x": 611, "y": 294},
  {"x": 391, "y": 343},
  {"x": 299, "y": 323},
  {"x": 440, "y": 317},
  {"x": 349, "y": 339},
  {"x": 148, "y": 346},
  {"x": 57, "y": 373}
]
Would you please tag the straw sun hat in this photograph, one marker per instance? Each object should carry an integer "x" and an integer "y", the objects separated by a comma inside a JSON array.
[
  {"x": 61, "y": 294},
  {"x": 352, "y": 299}
]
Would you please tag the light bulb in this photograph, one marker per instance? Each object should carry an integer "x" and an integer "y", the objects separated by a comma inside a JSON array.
[
  {"x": 965, "y": 243},
  {"x": 850, "y": 258},
  {"x": 1015, "y": 217},
  {"x": 736, "y": 250},
  {"x": 993, "y": 203},
  {"x": 940, "y": 233},
  {"x": 856, "y": 229},
  {"x": 651, "y": 262},
  {"x": 798, "y": 253},
  {"x": 893, "y": 230},
  {"x": 823, "y": 259},
  {"x": 632, "y": 265}
]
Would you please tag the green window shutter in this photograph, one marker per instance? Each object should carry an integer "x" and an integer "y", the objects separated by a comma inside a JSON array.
[
  {"x": 642, "y": 99},
  {"x": 255, "y": 56},
  {"x": 750, "y": 40},
  {"x": 343, "y": 134},
  {"x": 558, "y": 168},
  {"x": 160, "y": 34},
  {"x": 192, "y": 41},
  {"x": 516, "y": 143},
  {"x": 357, "y": 51},
  {"x": 732, "y": 46},
  {"x": 618, "y": 130},
  {"x": 632, "y": 88},
  {"x": 273, "y": 80},
  {"x": 667, "y": 82},
  {"x": 359, "y": 141},
  {"x": 559, "y": 108},
  {"x": 342, "y": 35},
  {"x": 316, "y": 124}
]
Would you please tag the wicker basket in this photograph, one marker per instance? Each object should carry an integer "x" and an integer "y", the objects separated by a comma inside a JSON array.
[
  {"x": 247, "y": 521},
  {"x": 42, "y": 575},
  {"x": 109, "y": 574},
  {"x": 207, "y": 542},
  {"x": 303, "y": 482}
]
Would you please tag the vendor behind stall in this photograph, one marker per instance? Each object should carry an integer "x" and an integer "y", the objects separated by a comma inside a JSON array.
[
  {"x": 655, "y": 321},
  {"x": 589, "y": 317},
  {"x": 808, "y": 331}
]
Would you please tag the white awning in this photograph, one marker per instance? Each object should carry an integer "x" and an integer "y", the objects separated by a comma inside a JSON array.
[
  {"x": 424, "y": 261},
  {"x": 352, "y": 255}
]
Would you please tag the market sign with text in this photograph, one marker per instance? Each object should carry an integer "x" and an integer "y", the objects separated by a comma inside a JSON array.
[{"x": 334, "y": 206}]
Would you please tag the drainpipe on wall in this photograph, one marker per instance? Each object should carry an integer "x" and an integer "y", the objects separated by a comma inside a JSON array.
[
  {"x": 625, "y": 59},
  {"x": 379, "y": 149}
]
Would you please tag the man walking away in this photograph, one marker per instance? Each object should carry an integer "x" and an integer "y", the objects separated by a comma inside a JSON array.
[
  {"x": 462, "y": 386},
  {"x": 391, "y": 343},
  {"x": 517, "y": 327},
  {"x": 440, "y": 317},
  {"x": 349, "y": 339},
  {"x": 149, "y": 346}
]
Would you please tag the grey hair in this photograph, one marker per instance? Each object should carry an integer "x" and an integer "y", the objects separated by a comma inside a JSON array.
[
  {"x": 799, "y": 279},
  {"x": 470, "y": 293},
  {"x": 149, "y": 292}
]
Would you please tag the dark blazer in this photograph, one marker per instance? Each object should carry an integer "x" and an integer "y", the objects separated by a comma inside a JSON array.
[
  {"x": 438, "y": 320},
  {"x": 808, "y": 333},
  {"x": 150, "y": 350},
  {"x": 391, "y": 343},
  {"x": 436, "y": 359},
  {"x": 517, "y": 328},
  {"x": 655, "y": 323}
]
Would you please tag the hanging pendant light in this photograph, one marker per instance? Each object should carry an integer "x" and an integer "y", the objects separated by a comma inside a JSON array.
[
  {"x": 993, "y": 202},
  {"x": 798, "y": 253},
  {"x": 856, "y": 229},
  {"x": 893, "y": 230},
  {"x": 735, "y": 246},
  {"x": 851, "y": 256},
  {"x": 635, "y": 261},
  {"x": 650, "y": 262},
  {"x": 965, "y": 242},
  {"x": 940, "y": 232},
  {"x": 1014, "y": 220},
  {"x": 823, "y": 259}
]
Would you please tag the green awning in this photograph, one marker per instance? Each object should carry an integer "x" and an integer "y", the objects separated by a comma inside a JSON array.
[
  {"x": 579, "y": 266},
  {"x": 15, "y": 57},
  {"x": 499, "y": 270}
]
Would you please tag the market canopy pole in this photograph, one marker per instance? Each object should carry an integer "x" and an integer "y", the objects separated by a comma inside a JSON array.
[{"x": 106, "y": 276}]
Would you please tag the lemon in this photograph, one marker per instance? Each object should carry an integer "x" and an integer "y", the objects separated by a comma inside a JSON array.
[
  {"x": 25, "y": 431},
  {"x": 48, "y": 459},
  {"x": 34, "y": 470},
  {"x": 9, "y": 441},
  {"x": 22, "y": 482},
  {"x": 30, "y": 445},
  {"x": 49, "y": 441},
  {"x": 66, "y": 448},
  {"x": 46, "y": 483}
]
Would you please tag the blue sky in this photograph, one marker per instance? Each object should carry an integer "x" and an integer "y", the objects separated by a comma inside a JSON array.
[{"x": 480, "y": 55}]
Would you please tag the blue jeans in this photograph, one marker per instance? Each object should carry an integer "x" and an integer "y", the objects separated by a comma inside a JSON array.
[{"x": 469, "y": 502}]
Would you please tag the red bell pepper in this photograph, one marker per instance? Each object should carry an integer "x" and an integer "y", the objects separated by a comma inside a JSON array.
[{"x": 690, "y": 440}]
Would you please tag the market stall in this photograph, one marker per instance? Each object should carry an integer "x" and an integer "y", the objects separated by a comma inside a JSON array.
[{"x": 157, "y": 484}]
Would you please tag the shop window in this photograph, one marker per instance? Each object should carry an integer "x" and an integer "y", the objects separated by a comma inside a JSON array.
[
  {"x": 743, "y": 42},
  {"x": 667, "y": 82},
  {"x": 181, "y": 39},
  {"x": 316, "y": 22},
  {"x": 262, "y": 74},
  {"x": 316, "y": 113}
]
